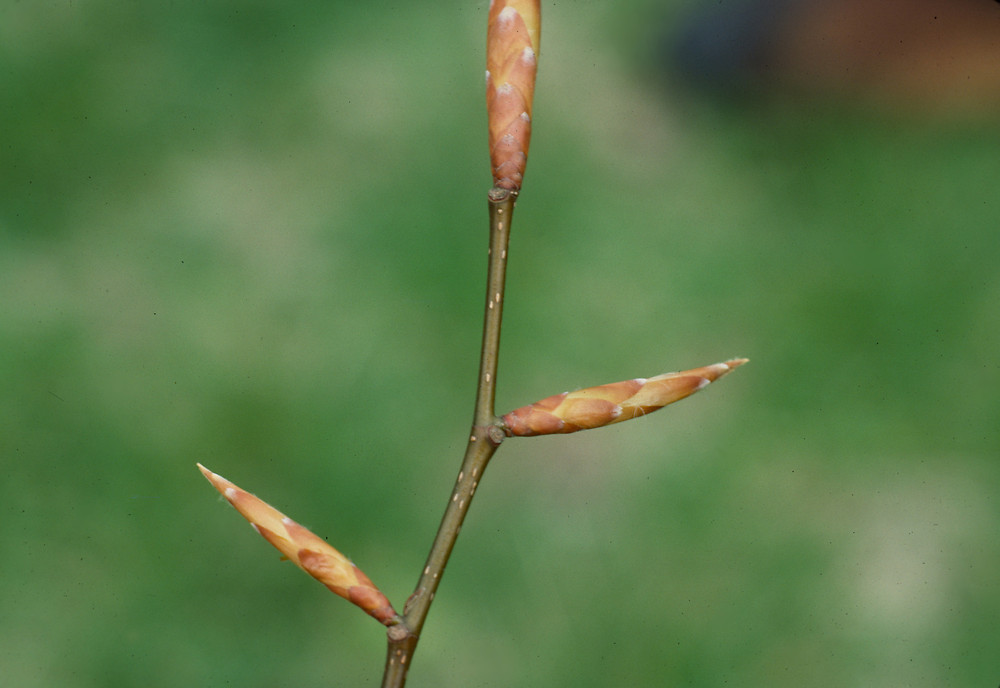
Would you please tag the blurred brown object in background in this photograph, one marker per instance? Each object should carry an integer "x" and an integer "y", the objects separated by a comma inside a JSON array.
[{"x": 930, "y": 55}]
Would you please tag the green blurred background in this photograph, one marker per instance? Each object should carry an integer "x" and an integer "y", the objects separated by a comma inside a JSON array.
[{"x": 252, "y": 234}]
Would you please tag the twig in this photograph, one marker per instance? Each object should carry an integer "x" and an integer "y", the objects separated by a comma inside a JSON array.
[{"x": 486, "y": 435}]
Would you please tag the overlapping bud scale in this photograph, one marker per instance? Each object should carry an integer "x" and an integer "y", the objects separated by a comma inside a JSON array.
[
  {"x": 512, "y": 40},
  {"x": 308, "y": 551},
  {"x": 595, "y": 407}
]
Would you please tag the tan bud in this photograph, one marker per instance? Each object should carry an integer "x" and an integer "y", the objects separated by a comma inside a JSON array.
[
  {"x": 598, "y": 406},
  {"x": 512, "y": 38},
  {"x": 308, "y": 551}
]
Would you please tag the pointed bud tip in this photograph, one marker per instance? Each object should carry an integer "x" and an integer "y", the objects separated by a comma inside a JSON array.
[
  {"x": 714, "y": 372},
  {"x": 732, "y": 364},
  {"x": 218, "y": 482}
]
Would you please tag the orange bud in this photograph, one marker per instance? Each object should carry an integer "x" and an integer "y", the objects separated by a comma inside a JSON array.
[
  {"x": 597, "y": 406},
  {"x": 308, "y": 551},
  {"x": 512, "y": 38}
]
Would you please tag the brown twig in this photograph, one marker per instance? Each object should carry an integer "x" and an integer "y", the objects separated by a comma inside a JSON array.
[
  {"x": 512, "y": 39},
  {"x": 484, "y": 439}
]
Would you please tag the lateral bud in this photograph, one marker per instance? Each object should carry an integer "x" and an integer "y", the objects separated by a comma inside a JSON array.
[
  {"x": 595, "y": 407},
  {"x": 306, "y": 550}
]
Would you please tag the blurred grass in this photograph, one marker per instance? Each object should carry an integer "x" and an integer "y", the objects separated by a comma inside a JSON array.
[{"x": 253, "y": 235}]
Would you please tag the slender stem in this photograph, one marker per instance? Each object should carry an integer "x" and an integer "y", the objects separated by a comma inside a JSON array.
[
  {"x": 501, "y": 205},
  {"x": 484, "y": 439}
]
